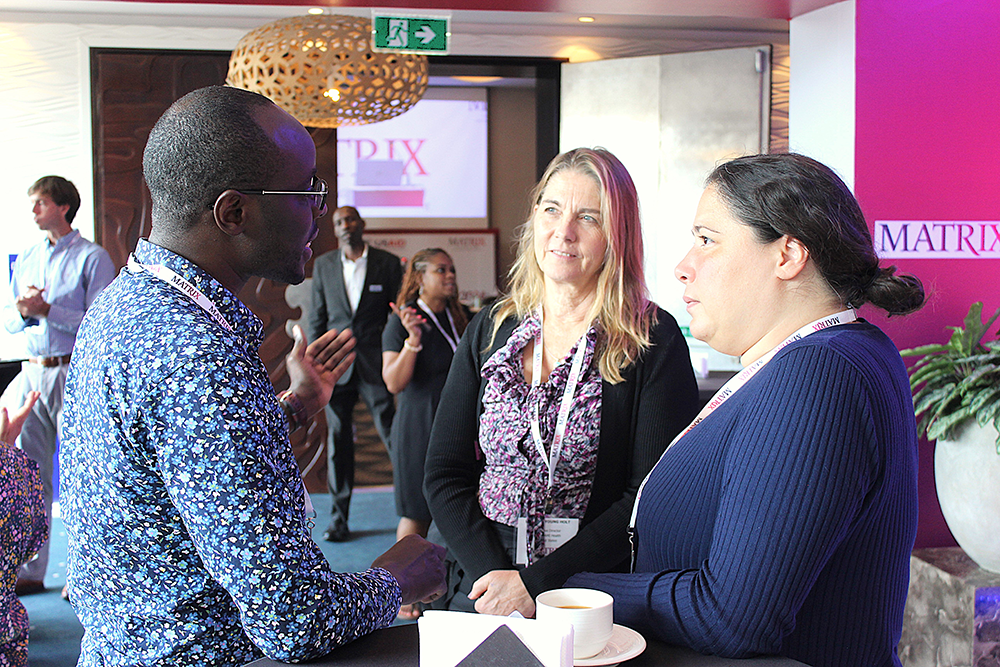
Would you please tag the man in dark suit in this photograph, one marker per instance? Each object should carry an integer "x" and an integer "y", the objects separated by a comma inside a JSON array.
[{"x": 352, "y": 288}]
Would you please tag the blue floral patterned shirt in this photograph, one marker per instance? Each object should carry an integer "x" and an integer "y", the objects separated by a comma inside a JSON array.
[{"x": 188, "y": 539}]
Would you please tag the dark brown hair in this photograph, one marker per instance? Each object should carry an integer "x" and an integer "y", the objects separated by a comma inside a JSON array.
[
  {"x": 60, "y": 191},
  {"x": 789, "y": 194},
  {"x": 410, "y": 289}
]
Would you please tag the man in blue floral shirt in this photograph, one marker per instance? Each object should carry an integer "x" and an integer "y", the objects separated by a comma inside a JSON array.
[{"x": 187, "y": 518}]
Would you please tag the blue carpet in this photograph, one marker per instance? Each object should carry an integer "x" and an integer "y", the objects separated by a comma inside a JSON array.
[{"x": 56, "y": 632}]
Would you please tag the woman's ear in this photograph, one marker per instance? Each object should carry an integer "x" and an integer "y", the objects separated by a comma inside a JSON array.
[
  {"x": 229, "y": 212},
  {"x": 792, "y": 257}
]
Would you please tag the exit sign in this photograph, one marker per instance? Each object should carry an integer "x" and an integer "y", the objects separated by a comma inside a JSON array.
[{"x": 410, "y": 34}]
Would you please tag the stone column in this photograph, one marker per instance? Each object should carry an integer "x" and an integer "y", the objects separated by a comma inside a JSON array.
[{"x": 952, "y": 616}]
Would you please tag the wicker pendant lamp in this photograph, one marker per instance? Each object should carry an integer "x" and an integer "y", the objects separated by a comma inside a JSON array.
[{"x": 322, "y": 70}]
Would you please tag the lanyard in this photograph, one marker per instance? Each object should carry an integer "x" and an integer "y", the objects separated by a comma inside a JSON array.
[
  {"x": 183, "y": 286},
  {"x": 740, "y": 379},
  {"x": 452, "y": 337},
  {"x": 552, "y": 460}
]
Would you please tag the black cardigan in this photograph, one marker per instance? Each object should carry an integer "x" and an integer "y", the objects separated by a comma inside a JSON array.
[{"x": 639, "y": 418}]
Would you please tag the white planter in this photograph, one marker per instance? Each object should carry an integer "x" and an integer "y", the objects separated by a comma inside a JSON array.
[{"x": 967, "y": 477}]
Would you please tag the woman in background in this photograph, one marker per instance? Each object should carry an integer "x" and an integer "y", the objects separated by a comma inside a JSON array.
[
  {"x": 560, "y": 399},
  {"x": 417, "y": 347},
  {"x": 781, "y": 521},
  {"x": 23, "y": 530}
]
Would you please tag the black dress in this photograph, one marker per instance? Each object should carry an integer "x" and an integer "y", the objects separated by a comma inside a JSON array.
[{"x": 415, "y": 408}]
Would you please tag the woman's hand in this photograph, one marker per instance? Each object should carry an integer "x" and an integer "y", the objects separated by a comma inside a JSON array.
[
  {"x": 10, "y": 427},
  {"x": 500, "y": 592},
  {"x": 397, "y": 367},
  {"x": 412, "y": 321}
]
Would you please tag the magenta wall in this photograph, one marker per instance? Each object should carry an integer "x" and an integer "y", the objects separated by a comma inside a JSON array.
[{"x": 928, "y": 148}]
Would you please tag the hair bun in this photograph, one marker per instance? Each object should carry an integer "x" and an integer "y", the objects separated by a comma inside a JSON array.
[{"x": 897, "y": 295}]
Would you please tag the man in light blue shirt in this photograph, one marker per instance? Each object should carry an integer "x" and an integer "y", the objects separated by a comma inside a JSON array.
[{"x": 53, "y": 284}]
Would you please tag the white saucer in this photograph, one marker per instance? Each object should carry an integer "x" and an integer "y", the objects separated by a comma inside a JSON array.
[{"x": 625, "y": 644}]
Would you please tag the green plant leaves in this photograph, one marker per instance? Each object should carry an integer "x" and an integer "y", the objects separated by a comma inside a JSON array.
[
  {"x": 957, "y": 380},
  {"x": 924, "y": 349},
  {"x": 940, "y": 429},
  {"x": 933, "y": 370}
]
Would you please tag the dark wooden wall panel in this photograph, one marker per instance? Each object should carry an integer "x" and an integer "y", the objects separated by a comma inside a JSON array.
[{"x": 131, "y": 89}]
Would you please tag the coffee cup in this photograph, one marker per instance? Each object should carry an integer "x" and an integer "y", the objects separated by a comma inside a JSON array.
[{"x": 590, "y": 612}]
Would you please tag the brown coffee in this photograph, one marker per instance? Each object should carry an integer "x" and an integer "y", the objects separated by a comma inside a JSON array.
[{"x": 572, "y": 606}]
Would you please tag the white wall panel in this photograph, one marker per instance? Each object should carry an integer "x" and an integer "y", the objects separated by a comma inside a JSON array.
[
  {"x": 670, "y": 119},
  {"x": 821, "y": 97},
  {"x": 45, "y": 123}
]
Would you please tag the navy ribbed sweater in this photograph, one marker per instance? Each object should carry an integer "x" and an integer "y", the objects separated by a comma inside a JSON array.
[{"x": 783, "y": 523}]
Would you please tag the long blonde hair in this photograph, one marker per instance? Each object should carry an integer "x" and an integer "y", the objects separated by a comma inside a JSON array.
[{"x": 622, "y": 308}]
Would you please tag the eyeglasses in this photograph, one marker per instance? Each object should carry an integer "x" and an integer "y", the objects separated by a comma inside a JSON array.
[{"x": 318, "y": 190}]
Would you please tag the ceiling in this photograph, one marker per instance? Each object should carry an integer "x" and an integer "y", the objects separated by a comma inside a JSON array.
[{"x": 480, "y": 27}]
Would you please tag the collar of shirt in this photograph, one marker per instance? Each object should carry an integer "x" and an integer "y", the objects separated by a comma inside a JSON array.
[
  {"x": 64, "y": 241},
  {"x": 241, "y": 318},
  {"x": 355, "y": 262},
  {"x": 510, "y": 354},
  {"x": 355, "y": 272}
]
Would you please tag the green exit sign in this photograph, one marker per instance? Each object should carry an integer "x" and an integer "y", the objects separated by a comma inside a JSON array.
[{"x": 410, "y": 34}]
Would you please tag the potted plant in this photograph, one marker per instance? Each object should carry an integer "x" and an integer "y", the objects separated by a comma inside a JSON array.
[{"x": 956, "y": 396}]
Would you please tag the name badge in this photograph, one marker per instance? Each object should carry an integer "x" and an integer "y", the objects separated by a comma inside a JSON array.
[
  {"x": 558, "y": 531},
  {"x": 374, "y": 288}
]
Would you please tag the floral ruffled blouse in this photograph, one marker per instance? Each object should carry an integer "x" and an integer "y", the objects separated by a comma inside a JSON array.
[
  {"x": 23, "y": 529},
  {"x": 514, "y": 482}
]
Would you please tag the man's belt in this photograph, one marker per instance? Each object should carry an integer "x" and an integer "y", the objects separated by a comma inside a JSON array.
[{"x": 50, "y": 362}]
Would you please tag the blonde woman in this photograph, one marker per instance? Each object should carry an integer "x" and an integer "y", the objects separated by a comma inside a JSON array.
[{"x": 559, "y": 400}]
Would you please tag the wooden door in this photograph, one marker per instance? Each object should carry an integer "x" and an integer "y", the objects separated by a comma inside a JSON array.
[{"x": 131, "y": 88}]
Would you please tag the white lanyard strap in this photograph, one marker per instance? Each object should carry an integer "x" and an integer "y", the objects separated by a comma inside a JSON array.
[
  {"x": 452, "y": 336},
  {"x": 183, "y": 286},
  {"x": 552, "y": 460},
  {"x": 740, "y": 379}
]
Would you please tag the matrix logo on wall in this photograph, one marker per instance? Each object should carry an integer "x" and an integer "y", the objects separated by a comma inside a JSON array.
[{"x": 934, "y": 239}]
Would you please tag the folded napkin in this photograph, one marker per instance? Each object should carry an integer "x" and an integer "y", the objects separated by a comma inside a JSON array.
[{"x": 448, "y": 637}]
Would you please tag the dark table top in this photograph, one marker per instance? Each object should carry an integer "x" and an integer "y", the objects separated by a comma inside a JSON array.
[{"x": 397, "y": 647}]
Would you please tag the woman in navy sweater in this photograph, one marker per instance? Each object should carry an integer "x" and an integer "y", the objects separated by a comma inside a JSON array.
[{"x": 782, "y": 521}]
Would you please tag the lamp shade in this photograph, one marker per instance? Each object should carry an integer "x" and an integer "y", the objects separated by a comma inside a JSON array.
[{"x": 322, "y": 70}]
